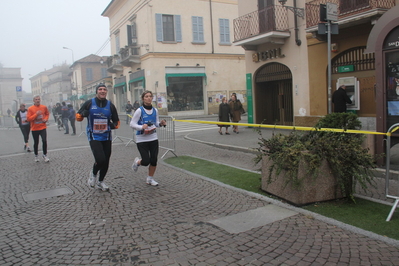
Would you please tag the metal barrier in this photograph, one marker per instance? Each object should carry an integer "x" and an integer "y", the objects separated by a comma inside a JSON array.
[
  {"x": 166, "y": 135},
  {"x": 392, "y": 129}
]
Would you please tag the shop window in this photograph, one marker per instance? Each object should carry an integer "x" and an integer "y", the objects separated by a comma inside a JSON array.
[{"x": 185, "y": 94}]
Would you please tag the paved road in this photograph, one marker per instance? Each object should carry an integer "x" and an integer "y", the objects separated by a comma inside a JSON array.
[{"x": 186, "y": 220}]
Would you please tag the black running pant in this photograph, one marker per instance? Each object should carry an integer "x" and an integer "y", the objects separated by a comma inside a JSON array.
[
  {"x": 25, "y": 129},
  {"x": 149, "y": 152},
  {"x": 102, "y": 153},
  {"x": 43, "y": 134}
]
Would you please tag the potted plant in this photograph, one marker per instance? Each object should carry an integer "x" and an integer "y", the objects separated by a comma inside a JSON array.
[{"x": 306, "y": 167}]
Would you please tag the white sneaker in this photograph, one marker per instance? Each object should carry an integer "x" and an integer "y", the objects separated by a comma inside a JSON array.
[
  {"x": 135, "y": 166},
  {"x": 92, "y": 179},
  {"x": 36, "y": 158},
  {"x": 101, "y": 185},
  {"x": 45, "y": 158},
  {"x": 151, "y": 181}
]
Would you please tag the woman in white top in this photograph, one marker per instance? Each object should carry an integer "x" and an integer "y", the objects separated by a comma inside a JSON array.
[{"x": 145, "y": 120}]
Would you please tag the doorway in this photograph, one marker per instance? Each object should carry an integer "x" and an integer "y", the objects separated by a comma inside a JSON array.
[{"x": 273, "y": 95}]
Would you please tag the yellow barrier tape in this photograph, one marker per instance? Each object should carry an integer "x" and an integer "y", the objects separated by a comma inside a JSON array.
[{"x": 285, "y": 127}]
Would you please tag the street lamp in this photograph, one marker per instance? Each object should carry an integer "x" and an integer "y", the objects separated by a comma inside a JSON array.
[
  {"x": 299, "y": 12},
  {"x": 73, "y": 60}
]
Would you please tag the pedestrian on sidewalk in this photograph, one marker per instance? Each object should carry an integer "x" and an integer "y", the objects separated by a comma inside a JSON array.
[
  {"x": 145, "y": 121},
  {"x": 24, "y": 125},
  {"x": 65, "y": 117},
  {"x": 72, "y": 118},
  {"x": 224, "y": 116},
  {"x": 38, "y": 116},
  {"x": 102, "y": 117},
  {"x": 236, "y": 110}
]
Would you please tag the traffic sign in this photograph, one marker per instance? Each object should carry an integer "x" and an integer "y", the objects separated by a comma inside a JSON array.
[{"x": 332, "y": 12}]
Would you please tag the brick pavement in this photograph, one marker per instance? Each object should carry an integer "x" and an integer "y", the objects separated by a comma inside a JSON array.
[{"x": 135, "y": 224}]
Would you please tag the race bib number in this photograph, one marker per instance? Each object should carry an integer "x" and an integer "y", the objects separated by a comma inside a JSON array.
[{"x": 100, "y": 125}]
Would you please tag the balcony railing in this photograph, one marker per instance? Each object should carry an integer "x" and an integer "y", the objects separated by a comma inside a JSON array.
[
  {"x": 130, "y": 55},
  {"x": 346, "y": 8},
  {"x": 114, "y": 64},
  {"x": 272, "y": 18}
]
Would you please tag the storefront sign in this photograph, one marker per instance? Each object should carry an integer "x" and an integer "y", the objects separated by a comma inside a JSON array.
[
  {"x": 392, "y": 39},
  {"x": 343, "y": 69},
  {"x": 266, "y": 55}
]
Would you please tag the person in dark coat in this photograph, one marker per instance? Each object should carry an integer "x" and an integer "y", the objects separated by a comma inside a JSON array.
[
  {"x": 340, "y": 99},
  {"x": 224, "y": 115},
  {"x": 236, "y": 110}
]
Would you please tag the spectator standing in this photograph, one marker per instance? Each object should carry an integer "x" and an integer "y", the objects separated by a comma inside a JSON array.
[
  {"x": 38, "y": 116},
  {"x": 65, "y": 117},
  {"x": 24, "y": 125},
  {"x": 72, "y": 118},
  {"x": 128, "y": 109},
  {"x": 9, "y": 112},
  {"x": 102, "y": 117}
]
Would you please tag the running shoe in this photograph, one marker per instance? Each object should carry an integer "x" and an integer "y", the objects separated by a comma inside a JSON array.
[
  {"x": 28, "y": 149},
  {"x": 101, "y": 185},
  {"x": 45, "y": 158},
  {"x": 135, "y": 165},
  {"x": 36, "y": 158},
  {"x": 92, "y": 179},
  {"x": 151, "y": 181}
]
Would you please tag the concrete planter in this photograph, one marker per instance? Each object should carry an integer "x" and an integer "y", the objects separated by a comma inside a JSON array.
[{"x": 312, "y": 189}]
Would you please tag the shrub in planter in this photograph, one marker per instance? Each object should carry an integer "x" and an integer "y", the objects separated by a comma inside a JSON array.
[{"x": 348, "y": 161}]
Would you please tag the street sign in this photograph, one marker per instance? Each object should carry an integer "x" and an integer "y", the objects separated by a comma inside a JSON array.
[
  {"x": 332, "y": 12},
  {"x": 19, "y": 91},
  {"x": 343, "y": 69}
]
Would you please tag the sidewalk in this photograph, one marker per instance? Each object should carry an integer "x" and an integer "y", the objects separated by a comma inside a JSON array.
[{"x": 51, "y": 217}]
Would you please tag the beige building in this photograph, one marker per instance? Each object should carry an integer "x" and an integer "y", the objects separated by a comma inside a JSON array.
[
  {"x": 180, "y": 49},
  {"x": 11, "y": 94}
]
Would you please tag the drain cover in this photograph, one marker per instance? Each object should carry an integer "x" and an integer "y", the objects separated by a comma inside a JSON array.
[{"x": 49, "y": 193}]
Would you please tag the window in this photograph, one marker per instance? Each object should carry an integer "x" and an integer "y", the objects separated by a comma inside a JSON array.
[
  {"x": 224, "y": 28},
  {"x": 132, "y": 34},
  {"x": 168, "y": 28},
  {"x": 104, "y": 72},
  {"x": 89, "y": 74},
  {"x": 117, "y": 42},
  {"x": 198, "y": 29}
]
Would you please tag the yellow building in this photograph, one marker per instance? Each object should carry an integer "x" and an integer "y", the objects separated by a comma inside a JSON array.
[{"x": 181, "y": 50}]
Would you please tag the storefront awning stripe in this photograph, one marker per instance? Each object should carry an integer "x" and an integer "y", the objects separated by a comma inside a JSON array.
[
  {"x": 179, "y": 75},
  {"x": 137, "y": 79},
  {"x": 120, "y": 84}
]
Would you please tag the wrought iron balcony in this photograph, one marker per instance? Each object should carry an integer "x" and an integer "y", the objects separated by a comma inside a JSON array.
[
  {"x": 349, "y": 11},
  {"x": 267, "y": 25},
  {"x": 114, "y": 64},
  {"x": 129, "y": 55}
]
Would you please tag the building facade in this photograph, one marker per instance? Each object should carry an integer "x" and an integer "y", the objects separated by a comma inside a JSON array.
[
  {"x": 288, "y": 49},
  {"x": 10, "y": 89},
  {"x": 181, "y": 50}
]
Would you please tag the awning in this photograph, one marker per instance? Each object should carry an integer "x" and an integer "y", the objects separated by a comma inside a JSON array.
[
  {"x": 122, "y": 84},
  {"x": 83, "y": 97},
  {"x": 73, "y": 98},
  {"x": 179, "y": 75},
  {"x": 138, "y": 79}
]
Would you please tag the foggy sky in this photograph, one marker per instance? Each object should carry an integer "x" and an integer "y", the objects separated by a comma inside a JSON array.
[{"x": 33, "y": 33}]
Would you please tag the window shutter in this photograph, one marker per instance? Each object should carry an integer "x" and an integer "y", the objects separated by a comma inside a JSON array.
[
  {"x": 195, "y": 29},
  {"x": 200, "y": 29},
  {"x": 178, "y": 28},
  {"x": 158, "y": 22},
  {"x": 129, "y": 35}
]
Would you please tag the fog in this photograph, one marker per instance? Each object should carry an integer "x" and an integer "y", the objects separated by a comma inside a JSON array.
[{"x": 34, "y": 32}]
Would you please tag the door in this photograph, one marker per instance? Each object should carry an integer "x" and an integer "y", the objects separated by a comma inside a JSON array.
[{"x": 266, "y": 16}]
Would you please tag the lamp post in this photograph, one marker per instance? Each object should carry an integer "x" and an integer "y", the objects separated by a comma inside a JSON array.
[
  {"x": 73, "y": 60},
  {"x": 298, "y": 12}
]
